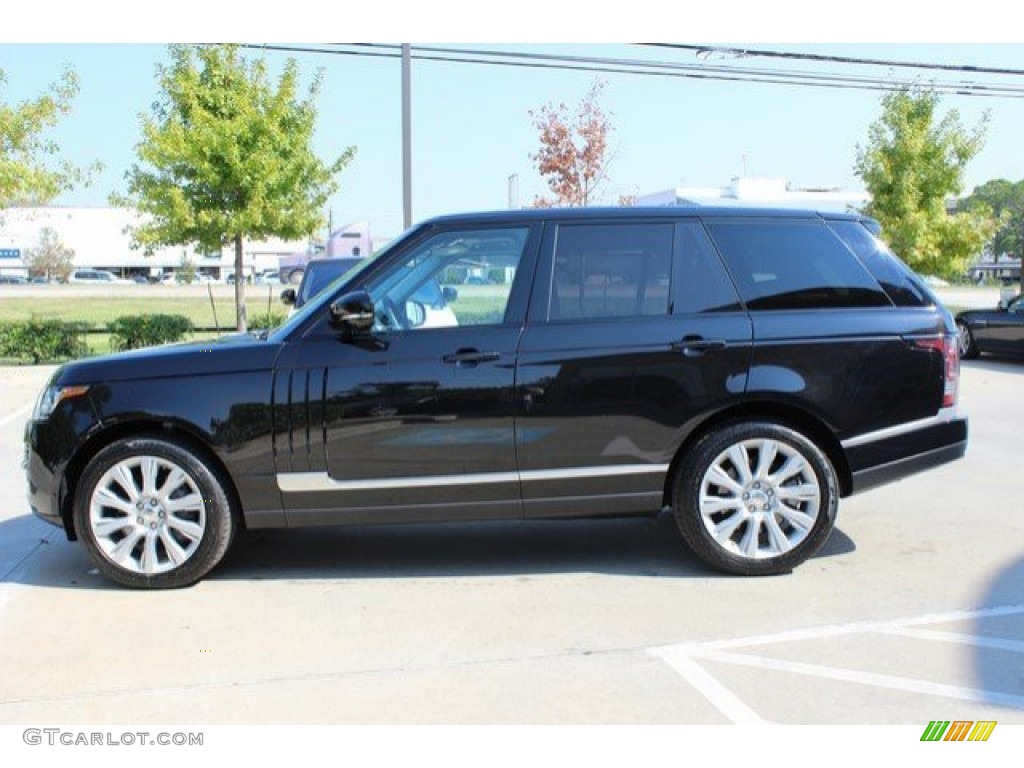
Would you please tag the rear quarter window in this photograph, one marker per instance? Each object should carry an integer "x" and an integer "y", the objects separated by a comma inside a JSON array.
[
  {"x": 793, "y": 264},
  {"x": 903, "y": 287}
]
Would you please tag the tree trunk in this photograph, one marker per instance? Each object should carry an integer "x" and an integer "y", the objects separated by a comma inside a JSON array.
[{"x": 240, "y": 285}]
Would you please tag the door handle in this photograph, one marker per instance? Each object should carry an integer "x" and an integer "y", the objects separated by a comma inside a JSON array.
[
  {"x": 695, "y": 346},
  {"x": 468, "y": 357}
]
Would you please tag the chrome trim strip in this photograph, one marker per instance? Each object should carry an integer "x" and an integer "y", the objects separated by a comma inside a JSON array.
[
  {"x": 943, "y": 416},
  {"x": 313, "y": 482}
]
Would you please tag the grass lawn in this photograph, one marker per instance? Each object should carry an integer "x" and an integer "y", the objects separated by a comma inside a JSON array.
[{"x": 98, "y": 310}]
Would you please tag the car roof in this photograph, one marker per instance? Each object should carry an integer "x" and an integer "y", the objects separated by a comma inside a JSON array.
[{"x": 641, "y": 212}]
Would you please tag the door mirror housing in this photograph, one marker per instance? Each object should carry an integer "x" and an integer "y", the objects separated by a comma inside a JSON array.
[
  {"x": 288, "y": 297},
  {"x": 450, "y": 294},
  {"x": 353, "y": 311}
]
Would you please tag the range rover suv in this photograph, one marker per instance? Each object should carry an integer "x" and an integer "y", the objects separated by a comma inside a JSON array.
[{"x": 743, "y": 368}]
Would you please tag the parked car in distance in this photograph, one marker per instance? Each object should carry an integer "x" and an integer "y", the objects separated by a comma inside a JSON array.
[
  {"x": 743, "y": 368},
  {"x": 96, "y": 277},
  {"x": 998, "y": 331},
  {"x": 317, "y": 275},
  {"x": 13, "y": 280},
  {"x": 270, "y": 277}
]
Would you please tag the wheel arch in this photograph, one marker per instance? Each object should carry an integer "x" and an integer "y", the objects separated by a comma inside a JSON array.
[
  {"x": 154, "y": 428},
  {"x": 784, "y": 414}
]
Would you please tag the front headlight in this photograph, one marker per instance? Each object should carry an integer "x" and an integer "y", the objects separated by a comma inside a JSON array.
[{"x": 52, "y": 396}]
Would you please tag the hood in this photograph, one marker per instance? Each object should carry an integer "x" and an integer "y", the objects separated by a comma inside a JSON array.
[{"x": 234, "y": 352}]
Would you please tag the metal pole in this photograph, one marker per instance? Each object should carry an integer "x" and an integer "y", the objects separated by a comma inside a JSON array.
[
  {"x": 513, "y": 191},
  {"x": 406, "y": 136}
]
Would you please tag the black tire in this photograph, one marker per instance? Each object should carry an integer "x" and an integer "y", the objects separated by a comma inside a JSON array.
[
  {"x": 965, "y": 341},
  {"x": 165, "y": 533},
  {"x": 757, "y": 534}
]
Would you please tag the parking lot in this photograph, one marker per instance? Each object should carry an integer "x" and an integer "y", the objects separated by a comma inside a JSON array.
[{"x": 913, "y": 611}]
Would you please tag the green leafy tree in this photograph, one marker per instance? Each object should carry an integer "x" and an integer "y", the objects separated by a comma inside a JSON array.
[
  {"x": 1005, "y": 199},
  {"x": 31, "y": 170},
  {"x": 913, "y": 162},
  {"x": 226, "y": 156},
  {"x": 51, "y": 258}
]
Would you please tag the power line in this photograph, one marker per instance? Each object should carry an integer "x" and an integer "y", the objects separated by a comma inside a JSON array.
[
  {"x": 748, "y": 52},
  {"x": 652, "y": 68}
]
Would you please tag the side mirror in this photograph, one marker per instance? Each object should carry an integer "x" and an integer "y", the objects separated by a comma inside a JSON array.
[
  {"x": 288, "y": 297},
  {"x": 353, "y": 311},
  {"x": 449, "y": 293}
]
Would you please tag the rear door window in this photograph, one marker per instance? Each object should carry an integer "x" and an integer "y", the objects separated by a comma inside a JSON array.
[
  {"x": 611, "y": 270},
  {"x": 793, "y": 264}
]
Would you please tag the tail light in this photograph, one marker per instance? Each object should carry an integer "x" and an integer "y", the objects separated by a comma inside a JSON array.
[{"x": 946, "y": 346}]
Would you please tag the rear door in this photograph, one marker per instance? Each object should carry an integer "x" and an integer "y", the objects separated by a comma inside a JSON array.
[{"x": 634, "y": 330}]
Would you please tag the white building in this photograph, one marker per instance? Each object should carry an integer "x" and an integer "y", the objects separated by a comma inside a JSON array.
[
  {"x": 100, "y": 239},
  {"x": 767, "y": 192}
]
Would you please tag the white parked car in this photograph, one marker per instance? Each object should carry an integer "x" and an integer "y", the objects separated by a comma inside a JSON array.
[
  {"x": 96, "y": 277},
  {"x": 270, "y": 277}
]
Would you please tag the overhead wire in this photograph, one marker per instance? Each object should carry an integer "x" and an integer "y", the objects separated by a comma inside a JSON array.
[{"x": 605, "y": 65}]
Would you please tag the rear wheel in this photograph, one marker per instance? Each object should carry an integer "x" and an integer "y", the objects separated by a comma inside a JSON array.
[
  {"x": 965, "y": 341},
  {"x": 755, "y": 499},
  {"x": 151, "y": 514}
]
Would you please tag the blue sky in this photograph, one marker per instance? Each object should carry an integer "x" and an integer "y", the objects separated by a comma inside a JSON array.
[{"x": 471, "y": 127}]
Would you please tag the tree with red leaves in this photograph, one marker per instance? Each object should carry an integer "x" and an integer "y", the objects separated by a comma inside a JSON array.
[{"x": 573, "y": 150}]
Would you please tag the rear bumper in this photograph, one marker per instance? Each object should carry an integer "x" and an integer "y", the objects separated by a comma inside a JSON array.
[{"x": 897, "y": 456}]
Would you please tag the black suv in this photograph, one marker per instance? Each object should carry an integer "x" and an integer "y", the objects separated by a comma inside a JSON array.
[
  {"x": 317, "y": 275},
  {"x": 743, "y": 368}
]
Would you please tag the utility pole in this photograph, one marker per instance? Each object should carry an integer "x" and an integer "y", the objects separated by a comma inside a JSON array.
[{"x": 406, "y": 136}]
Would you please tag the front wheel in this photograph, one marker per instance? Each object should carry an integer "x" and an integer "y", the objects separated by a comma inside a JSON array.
[
  {"x": 151, "y": 514},
  {"x": 755, "y": 499}
]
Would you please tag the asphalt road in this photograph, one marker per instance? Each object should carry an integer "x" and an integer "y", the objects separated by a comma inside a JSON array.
[{"x": 914, "y": 611}]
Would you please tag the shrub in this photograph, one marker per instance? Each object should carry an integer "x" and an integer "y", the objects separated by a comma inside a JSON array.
[
  {"x": 42, "y": 340},
  {"x": 265, "y": 320},
  {"x": 135, "y": 331}
]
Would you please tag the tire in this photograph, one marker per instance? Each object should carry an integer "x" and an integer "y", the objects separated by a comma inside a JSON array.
[
  {"x": 966, "y": 345},
  {"x": 295, "y": 276},
  {"x": 163, "y": 532},
  {"x": 730, "y": 498}
]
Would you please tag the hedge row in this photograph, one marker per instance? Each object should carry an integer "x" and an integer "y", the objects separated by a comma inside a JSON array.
[{"x": 45, "y": 340}]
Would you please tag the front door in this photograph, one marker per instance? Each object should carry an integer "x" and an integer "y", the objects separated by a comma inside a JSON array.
[{"x": 413, "y": 420}]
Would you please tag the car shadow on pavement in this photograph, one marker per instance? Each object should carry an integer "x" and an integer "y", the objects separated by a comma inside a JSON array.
[
  {"x": 999, "y": 633},
  {"x": 649, "y": 546},
  {"x": 645, "y": 546},
  {"x": 996, "y": 364}
]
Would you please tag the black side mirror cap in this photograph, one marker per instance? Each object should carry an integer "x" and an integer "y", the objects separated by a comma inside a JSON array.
[
  {"x": 353, "y": 311},
  {"x": 288, "y": 297}
]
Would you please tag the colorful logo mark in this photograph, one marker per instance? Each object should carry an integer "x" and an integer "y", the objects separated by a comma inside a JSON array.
[{"x": 958, "y": 730}]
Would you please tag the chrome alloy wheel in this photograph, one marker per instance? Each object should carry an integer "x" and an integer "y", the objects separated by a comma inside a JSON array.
[
  {"x": 147, "y": 515},
  {"x": 759, "y": 498}
]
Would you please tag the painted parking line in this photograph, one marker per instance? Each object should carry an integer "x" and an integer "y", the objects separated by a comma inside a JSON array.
[{"x": 685, "y": 659}]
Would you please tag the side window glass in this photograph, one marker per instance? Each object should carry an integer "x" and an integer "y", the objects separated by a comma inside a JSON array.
[
  {"x": 700, "y": 282},
  {"x": 454, "y": 278},
  {"x": 899, "y": 281},
  {"x": 611, "y": 270},
  {"x": 793, "y": 264}
]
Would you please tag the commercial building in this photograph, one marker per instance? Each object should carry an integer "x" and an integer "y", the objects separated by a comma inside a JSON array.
[
  {"x": 100, "y": 238},
  {"x": 758, "y": 191}
]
